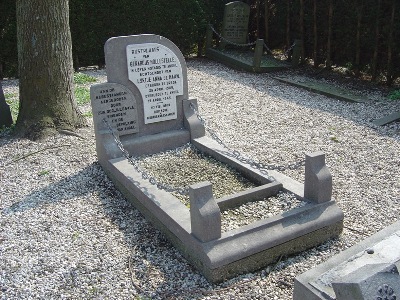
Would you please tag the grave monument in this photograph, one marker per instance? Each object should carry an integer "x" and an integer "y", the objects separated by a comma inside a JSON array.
[
  {"x": 234, "y": 46},
  {"x": 144, "y": 108}
]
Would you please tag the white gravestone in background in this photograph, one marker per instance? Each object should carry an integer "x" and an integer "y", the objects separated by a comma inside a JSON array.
[{"x": 157, "y": 73}]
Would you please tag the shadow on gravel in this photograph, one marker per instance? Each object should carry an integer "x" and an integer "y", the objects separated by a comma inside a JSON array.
[
  {"x": 157, "y": 269},
  {"x": 361, "y": 114}
]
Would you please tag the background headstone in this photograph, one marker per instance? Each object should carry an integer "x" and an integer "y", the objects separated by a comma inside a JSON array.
[
  {"x": 5, "y": 113},
  {"x": 235, "y": 24}
]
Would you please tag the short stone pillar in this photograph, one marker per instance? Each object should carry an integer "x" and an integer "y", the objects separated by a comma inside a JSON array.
[
  {"x": 318, "y": 179},
  {"x": 258, "y": 52},
  {"x": 209, "y": 37},
  {"x": 296, "y": 53},
  {"x": 205, "y": 214}
]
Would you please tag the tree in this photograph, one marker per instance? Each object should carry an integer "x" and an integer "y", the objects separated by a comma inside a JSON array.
[{"x": 47, "y": 102}]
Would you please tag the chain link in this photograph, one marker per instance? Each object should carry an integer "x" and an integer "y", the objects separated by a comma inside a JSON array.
[
  {"x": 229, "y": 42},
  {"x": 290, "y": 49},
  {"x": 245, "y": 45},
  {"x": 262, "y": 167},
  {"x": 146, "y": 176}
]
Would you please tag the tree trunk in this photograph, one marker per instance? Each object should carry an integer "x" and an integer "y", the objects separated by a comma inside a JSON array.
[
  {"x": 328, "y": 63},
  {"x": 315, "y": 50},
  {"x": 390, "y": 77},
  {"x": 47, "y": 102},
  {"x": 258, "y": 4},
  {"x": 288, "y": 37},
  {"x": 358, "y": 37},
  {"x": 266, "y": 18},
  {"x": 302, "y": 32},
  {"x": 374, "y": 71}
]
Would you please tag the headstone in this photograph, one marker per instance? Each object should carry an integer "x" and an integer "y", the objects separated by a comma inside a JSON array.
[
  {"x": 5, "y": 113},
  {"x": 235, "y": 24}
]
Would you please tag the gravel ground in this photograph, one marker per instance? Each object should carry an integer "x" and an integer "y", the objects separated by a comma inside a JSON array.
[{"x": 67, "y": 233}]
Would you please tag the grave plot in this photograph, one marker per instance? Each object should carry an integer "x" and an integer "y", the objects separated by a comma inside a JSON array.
[
  {"x": 144, "y": 109},
  {"x": 234, "y": 49}
]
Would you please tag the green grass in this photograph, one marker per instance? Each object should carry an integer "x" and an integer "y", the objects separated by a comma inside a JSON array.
[
  {"x": 88, "y": 114},
  {"x": 81, "y": 78},
  {"x": 82, "y": 95},
  {"x": 44, "y": 172},
  {"x": 13, "y": 101},
  {"x": 394, "y": 95}
]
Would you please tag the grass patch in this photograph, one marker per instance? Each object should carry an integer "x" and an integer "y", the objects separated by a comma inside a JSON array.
[
  {"x": 394, "y": 95},
  {"x": 82, "y": 95},
  {"x": 88, "y": 114},
  {"x": 12, "y": 100},
  {"x": 81, "y": 78}
]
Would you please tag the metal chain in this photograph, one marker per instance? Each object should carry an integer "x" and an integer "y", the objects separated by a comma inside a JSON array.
[
  {"x": 262, "y": 167},
  {"x": 243, "y": 45},
  {"x": 290, "y": 49},
  {"x": 229, "y": 42},
  {"x": 135, "y": 163}
]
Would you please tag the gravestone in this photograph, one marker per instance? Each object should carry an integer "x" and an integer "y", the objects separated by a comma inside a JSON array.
[
  {"x": 235, "y": 24},
  {"x": 5, "y": 113},
  {"x": 368, "y": 270},
  {"x": 144, "y": 108}
]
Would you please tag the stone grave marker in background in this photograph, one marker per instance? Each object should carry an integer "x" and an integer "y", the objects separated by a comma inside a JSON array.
[
  {"x": 235, "y": 24},
  {"x": 144, "y": 108},
  {"x": 234, "y": 48},
  {"x": 5, "y": 113}
]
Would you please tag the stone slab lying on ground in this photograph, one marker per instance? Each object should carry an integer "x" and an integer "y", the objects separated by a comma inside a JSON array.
[
  {"x": 145, "y": 109},
  {"x": 388, "y": 119},
  {"x": 349, "y": 268},
  {"x": 238, "y": 59},
  {"x": 324, "y": 89}
]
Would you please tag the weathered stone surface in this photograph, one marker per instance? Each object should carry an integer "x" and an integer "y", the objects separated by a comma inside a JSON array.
[
  {"x": 205, "y": 214},
  {"x": 5, "y": 113}
]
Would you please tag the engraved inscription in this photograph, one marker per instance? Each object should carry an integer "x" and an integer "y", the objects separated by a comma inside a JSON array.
[
  {"x": 117, "y": 104},
  {"x": 156, "y": 71},
  {"x": 236, "y": 20}
]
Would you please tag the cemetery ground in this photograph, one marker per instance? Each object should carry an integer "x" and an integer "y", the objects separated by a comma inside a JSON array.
[{"x": 67, "y": 232}]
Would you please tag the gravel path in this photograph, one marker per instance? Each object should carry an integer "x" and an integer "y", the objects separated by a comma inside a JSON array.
[{"x": 67, "y": 233}]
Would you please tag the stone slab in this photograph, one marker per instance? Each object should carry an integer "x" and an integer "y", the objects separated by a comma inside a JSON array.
[
  {"x": 388, "y": 119},
  {"x": 5, "y": 113},
  {"x": 244, "y": 60},
  {"x": 325, "y": 89},
  {"x": 382, "y": 247}
]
